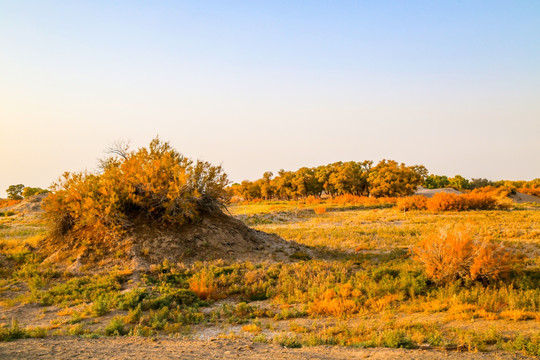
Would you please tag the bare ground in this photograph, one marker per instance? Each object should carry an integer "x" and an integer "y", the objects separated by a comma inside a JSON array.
[{"x": 58, "y": 348}]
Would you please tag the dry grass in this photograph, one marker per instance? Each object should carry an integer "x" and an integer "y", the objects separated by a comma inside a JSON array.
[{"x": 372, "y": 294}]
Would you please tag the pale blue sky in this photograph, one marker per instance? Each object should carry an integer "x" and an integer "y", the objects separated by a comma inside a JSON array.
[{"x": 260, "y": 86}]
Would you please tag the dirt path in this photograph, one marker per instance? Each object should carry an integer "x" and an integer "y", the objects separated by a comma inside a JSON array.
[{"x": 59, "y": 348}]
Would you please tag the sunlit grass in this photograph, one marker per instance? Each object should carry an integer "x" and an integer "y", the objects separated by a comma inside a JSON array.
[{"x": 377, "y": 295}]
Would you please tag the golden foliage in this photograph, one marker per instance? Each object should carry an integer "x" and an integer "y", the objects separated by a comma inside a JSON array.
[
  {"x": 336, "y": 302},
  {"x": 348, "y": 199},
  {"x": 476, "y": 200},
  {"x": 156, "y": 182},
  {"x": 204, "y": 285},
  {"x": 8, "y": 202},
  {"x": 416, "y": 202},
  {"x": 531, "y": 191},
  {"x": 452, "y": 254}
]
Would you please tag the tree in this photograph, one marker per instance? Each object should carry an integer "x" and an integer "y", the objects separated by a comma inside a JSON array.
[
  {"x": 436, "y": 181},
  {"x": 459, "y": 183},
  {"x": 479, "y": 183},
  {"x": 31, "y": 191},
  {"x": 266, "y": 186},
  {"x": 351, "y": 178},
  {"x": 14, "y": 192},
  {"x": 389, "y": 178}
]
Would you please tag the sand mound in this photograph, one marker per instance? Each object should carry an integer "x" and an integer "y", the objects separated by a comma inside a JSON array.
[
  {"x": 522, "y": 198},
  {"x": 29, "y": 205},
  {"x": 214, "y": 236},
  {"x": 430, "y": 192}
]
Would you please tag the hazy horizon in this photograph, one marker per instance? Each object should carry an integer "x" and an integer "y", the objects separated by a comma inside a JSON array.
[{"x": 258, "y": 87}]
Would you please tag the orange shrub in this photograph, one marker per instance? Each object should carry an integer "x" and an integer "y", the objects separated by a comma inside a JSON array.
[
  {"x": 472, "y": 201},
  {"x": 8, "y": 202},
  {"x": 336, "y": 302},
  {"x": 452, "y": 254},
  {"x": 204, "y": 285},
  {"x": 445, "y": 202},
  {"x": 349, "y": 199},
  {"x": 416, "y": 202},
  {"x": 319, "y": 210},
  {"x": 479, "y": 201},
  {"x": 312, "y": 200},
  {"x": 530, "y": 191}
]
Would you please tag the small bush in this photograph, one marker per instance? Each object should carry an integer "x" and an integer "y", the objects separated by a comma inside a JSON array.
[
  {"x": 319, "y": 210},
  {"x": 336, "y": 303},
  {"x": 12, "y": 332},
  {"x": 396, "y": 339},
  {"x": 101, "y": 306},
  {"x": 312, "y": 200},
  {"x": 452, "y": 254},
  {"x": 204, "y": 285},
  {"x": 531, "y": 345},
  {"x": 288, "y": 341},
  {"x": 116, "y": 327}
]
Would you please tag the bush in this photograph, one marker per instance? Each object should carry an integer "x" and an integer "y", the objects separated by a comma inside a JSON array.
[
  {"x": 101, "y": 306},
  {"x": 530, "y": 191},
  {"x": 319, "y": 210},
  {"x": 445, "y": 202},
  {"x": 531, "y": 345},
  {"x": 31, "y": 191},
  {"x": 416, "y": 202},
  {"x": 336, "y": 303},
  {"x": 116, "y": 327},
  {"x": 155, "y": 183},
  {"x": 204, "y": 285},
  {"x": 472, "y": 201},
  {"x": 452, "y": 254}
]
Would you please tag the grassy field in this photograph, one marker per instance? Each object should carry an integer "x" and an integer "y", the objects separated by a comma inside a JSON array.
[{"x": 365, "y": 290}]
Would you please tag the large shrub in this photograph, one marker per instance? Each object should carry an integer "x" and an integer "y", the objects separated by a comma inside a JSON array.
[
  {"x": 451, "y": 254},
  {"x": 154, "y": 184},
  {"x": 475, "y": 200},
  {"x": 415, "y": 202}
]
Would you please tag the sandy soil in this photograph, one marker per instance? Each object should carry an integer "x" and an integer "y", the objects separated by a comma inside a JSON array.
[
  {"x": 522, "y": 198},
  {"x": 58, "y": 348},
  {"x": 430, "y": 192}
]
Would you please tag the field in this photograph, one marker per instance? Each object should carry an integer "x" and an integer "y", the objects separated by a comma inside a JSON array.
[{"x": 356, "y": 285}]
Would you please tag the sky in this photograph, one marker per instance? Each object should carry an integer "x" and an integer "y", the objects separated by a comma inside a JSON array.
[{"x": 266, "y": 85}]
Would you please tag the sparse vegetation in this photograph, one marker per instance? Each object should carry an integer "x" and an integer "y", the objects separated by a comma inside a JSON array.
[{"x": 354, "y": 284}]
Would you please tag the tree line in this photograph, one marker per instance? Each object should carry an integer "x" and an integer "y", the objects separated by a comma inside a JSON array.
[{"x": 386, "y": 179}]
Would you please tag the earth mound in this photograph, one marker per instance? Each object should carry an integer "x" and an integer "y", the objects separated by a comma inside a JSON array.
[
  {"x": 214, "y": 236},
  {"x": 29, "y": 205},
  {"x": 522, "y": 198},
  {"x": 431, "y": 192}
]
